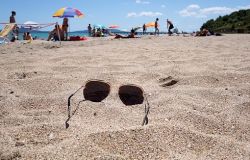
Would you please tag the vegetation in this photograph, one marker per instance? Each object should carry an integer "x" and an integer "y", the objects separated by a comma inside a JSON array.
[{"x": 236, "y": 22}]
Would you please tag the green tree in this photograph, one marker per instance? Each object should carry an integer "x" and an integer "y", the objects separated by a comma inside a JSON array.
[
  {"x": 233, "y": 28},
  {"x": 235, "y": 21}
]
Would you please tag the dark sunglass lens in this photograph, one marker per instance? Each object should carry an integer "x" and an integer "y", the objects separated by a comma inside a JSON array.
[
  {"x": 96, "y": 91},
  {"x": 131, "y": 95}
]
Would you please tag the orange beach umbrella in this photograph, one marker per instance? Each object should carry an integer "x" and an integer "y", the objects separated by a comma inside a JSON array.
[{"x": 151, "y": 24}]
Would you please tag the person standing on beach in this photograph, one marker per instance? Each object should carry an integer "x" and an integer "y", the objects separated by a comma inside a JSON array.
[
  {"x": 169, "y": 26},
  {"x": 157, "y": 26},
  {"x": 65, "y": 26},
  {"x": 12, "y": 17},
  {"x": 13, "y": 20},
  {"x": 144, "y": 29},
  {"x": 89, "y": 30}
]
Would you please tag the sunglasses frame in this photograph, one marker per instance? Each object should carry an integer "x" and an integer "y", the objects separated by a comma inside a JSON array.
[{"x": 145, "y": 100}]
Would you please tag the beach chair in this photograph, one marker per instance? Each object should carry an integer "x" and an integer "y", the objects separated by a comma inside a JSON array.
[{"x": 5, "y": 31}]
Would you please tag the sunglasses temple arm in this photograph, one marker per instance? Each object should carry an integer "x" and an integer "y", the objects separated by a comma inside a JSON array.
[
  {"x": 69, "y": 105},
  {"x": 147, "y": 107}
]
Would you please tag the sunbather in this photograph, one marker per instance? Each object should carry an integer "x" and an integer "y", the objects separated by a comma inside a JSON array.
[
  {"x": 28, "y": 36},
  {"x": 131, "y": 35},
  {"x": 56, "y": 34},
  {"x": 204, "y": 32}
]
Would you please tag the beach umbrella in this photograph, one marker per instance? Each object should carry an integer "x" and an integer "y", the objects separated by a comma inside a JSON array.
[
  {"x": 68, "y": 12},
  {"x": 31, "y": 24},
  {"x": 99, "y": 26},
  {"x": 150, "y": 24},
  {"x": 113, "y": 26}
]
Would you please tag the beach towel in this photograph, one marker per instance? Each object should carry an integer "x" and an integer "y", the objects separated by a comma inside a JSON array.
[{"x": 77, "y": 38}]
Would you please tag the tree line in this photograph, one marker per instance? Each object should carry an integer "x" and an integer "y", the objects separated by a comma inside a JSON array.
[{"x": 236, "y": 22}]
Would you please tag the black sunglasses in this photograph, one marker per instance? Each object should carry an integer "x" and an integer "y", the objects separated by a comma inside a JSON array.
[{"x": 98, "y": 90}]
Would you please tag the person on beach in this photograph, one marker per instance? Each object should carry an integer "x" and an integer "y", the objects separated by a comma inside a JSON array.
[
  {"x": 56, "y": 34},
  {"x": 65, "y": 26},
  {"x": 13, "y": 20},
  {"x": 170, "y": 26},
  {"x": 157, "y": 26},
  {"x": 99, "y": 33},
  {"x": 131, "y": 35},
  {"x": 89, "y": 30},
  {"x": 144, "y": 29},
  {"x": 203, "y": 32},
  {"x": 12, "y": 17},
  {"x": 28, "y": 36},
  {"x": 94, "y": 32},
  {"x": 24, "y": 35}
]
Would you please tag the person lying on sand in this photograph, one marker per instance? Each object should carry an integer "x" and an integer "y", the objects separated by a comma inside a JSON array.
[
  {"x": 117, "y": 36},
  {"x": 56, "y": 34},
  {"x": 131, "y": 35},
  {"x": 204, "y": 32}
]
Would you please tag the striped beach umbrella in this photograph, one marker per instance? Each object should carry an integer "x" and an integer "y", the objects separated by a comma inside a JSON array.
[{"x": 68, "y": 12}]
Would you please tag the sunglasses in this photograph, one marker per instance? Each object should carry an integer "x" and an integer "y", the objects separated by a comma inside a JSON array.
[{"x": 98, "y": 90}]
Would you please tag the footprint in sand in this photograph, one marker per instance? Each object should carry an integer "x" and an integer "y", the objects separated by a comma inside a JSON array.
[
  {"x": 22, "y": 75},
  {"x": 168, "y": 81}
]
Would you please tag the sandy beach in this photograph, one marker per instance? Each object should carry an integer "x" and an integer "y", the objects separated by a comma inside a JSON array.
[{"x": 198, "y": 89}]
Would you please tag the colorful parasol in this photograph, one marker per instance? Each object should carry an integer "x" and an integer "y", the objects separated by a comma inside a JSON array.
[
  {"x": 68, "y": 12},
  {"x": 99, "y": 26},
  {"x": 113, "y": 26}
]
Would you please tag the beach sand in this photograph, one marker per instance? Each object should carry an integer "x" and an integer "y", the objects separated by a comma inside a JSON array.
[{"x": 198, "y": 89}]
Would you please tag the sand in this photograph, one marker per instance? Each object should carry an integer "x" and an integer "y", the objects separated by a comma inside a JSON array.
[{"x": 198, "y": 89}]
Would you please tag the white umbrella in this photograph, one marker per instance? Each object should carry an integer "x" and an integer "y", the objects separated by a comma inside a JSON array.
[{"x": 31, "y": 25}]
